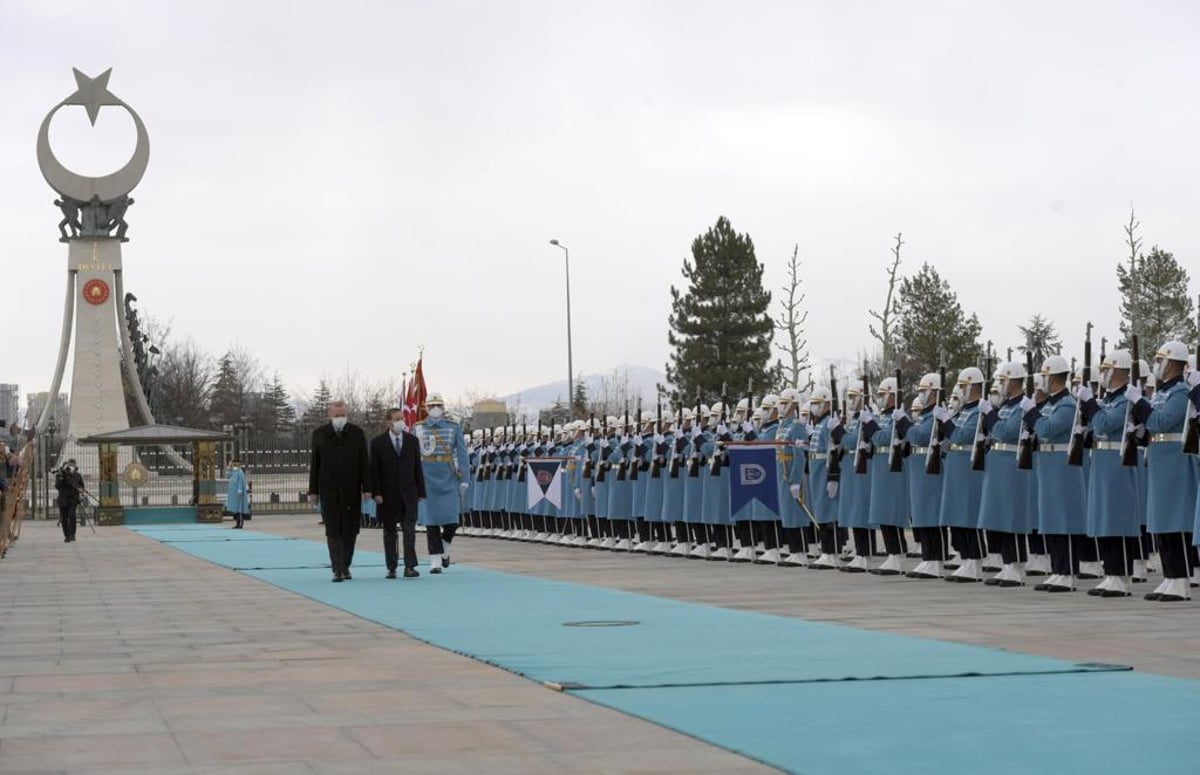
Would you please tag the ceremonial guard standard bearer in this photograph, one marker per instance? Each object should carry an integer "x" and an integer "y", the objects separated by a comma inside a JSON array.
[{"x": 445, "y": 465}]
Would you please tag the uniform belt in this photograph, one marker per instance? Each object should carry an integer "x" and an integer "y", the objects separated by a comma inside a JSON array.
[
  {"x": 961, "y": 447},
  {"x": 1107, "y": 445},
  {"x": 1004, "y": 448},
  {"x": 1054, "y": 448},
  {"x": 818, "y": 455},
  {"x": 1166, "y": 437},
  {"x": 436, "y": 459},
  {"x": 920, "y": 450}
]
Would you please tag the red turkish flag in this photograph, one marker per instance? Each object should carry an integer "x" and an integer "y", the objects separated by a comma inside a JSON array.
[{"x": 414, "y": 398}]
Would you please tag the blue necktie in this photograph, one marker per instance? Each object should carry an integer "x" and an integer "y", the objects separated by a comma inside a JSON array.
[{"x": 397, "y": 440}]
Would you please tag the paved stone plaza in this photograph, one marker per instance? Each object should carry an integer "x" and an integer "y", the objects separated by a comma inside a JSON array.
[{"x": 121, "y": 654}]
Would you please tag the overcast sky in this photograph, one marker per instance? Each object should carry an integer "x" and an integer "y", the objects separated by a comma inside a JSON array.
[{"x": 334, "y": 184}]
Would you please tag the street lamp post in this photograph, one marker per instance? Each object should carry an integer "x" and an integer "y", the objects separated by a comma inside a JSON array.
[{"x": 570, "y": 365}]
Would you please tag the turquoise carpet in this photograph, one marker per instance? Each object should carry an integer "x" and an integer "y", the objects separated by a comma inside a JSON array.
[{"x": 788, "y": 692}]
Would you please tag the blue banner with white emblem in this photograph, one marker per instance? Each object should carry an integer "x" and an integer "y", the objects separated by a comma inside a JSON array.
[
  {"x": 753, "y": 476},
  {"x": 544, "y": 481}
]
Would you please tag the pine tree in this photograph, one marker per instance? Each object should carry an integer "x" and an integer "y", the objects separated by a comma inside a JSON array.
[
  {"x": 1155, "y": 301},
  {"x": 226, "y": 399},
  {"x": 579, "y": 402},
  {"x": 931, "y": 324},
  {"x": 314, "y": 415},
  {"x": 1040, "y": 338},
  {"x": 720, "y": 325}
]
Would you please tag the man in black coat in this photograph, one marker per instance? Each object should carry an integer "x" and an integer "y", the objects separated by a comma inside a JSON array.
[
  {"x": 338, "y": 476},
  {"x": 398, "y": 482},
  {"x": 69, "y": 485}
]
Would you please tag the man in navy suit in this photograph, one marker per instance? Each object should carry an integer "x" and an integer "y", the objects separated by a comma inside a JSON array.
[{"x": 398, "y": 482}]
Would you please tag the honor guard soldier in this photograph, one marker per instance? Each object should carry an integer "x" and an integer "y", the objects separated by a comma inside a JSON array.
[
  {"x": 716, "y": 487},
  {"x": 1004, "y": 514},
  {"x": 1062, "y": 510},
  {"x": 791, "y": 457},
  {"x": 1112, "y": 497},
  {"x": 672, "y": 508},
  {"x": 962, "y": 484},
  {"x": 924, "y": 487},
  {"x": 444, "y": 460},
  {"x": 888, "y": 508},
  {"x": 824, "y": 474},
  {"x": 693, "y": 485},
  {"x": 855, "y": 486},
  {"x": 1171, "y": 476},
  {"x": 642, "y": 443}
]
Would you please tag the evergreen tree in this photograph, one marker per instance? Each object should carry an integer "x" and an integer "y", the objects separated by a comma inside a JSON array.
[
  {"x": 226, "y": 399},
  {"x": 720, "y": 325},
  {"x": 1154, "y": 301},
  {"x": 1040, "y": 338},
  {"x": 931, "y": 324},
  {"x": 579, "y": 402},
  {"x": 314, "y": 415}
]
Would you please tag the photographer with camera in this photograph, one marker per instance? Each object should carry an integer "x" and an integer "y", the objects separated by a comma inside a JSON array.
[{"x": 69, "y": 485}]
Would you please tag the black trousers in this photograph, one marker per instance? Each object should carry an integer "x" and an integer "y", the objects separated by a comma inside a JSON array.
[
  {"x": 829, "y": 538},
  {"x": 1177, "y": 554},
  {"x": 892, "y": 539},
  {"x": 66, "y": 515},
  {"x": 862, "y": 541},
  {"x": 438, "y": 536},
  {"x": 1065, "y": 551},
  {"x": 966, "y": 541},
  {"x": 1037, "y": 544},
  {"x": 390, "y": 543},
  {"x": 933, "y": 543},
  {"x": 239, "y": 518},
  {"x": 1118, "y": 553},
  {"x": 767, "y": 531},
  {"x": 794, "y": 537},
  {"x": 1010, "y": 546},
  {"x": 341, "y": 552}
]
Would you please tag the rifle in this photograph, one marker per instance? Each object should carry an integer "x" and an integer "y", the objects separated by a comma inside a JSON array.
[
  {"x": 979, "y": 447},
  {"x": 860, "y": 448},
  {"x": 1096, "y": 388},
  {"x": 933, "y": 457},
  {"x": 1079, "y": 424},
  {"x": 1129, "y": 455},
  {"x": 1191, "y": 426},
  {"x": 655, "y": 463},
  {"x": 623, "y": 464},
  {"x": 835, "y": 450},
  {"x": 694, "y": 460},
  {"x": 635, "y": 459},
  {"x": 674, "y": 471},
  {"x": 520, "y": 464},
  {"x": 895, "y": 452},
  {"x": 714, "y": 467},
  {"x": 1026, "y": 438},
  {"x": 602, "y": 465},
  {"x": 588, "y": 471}
]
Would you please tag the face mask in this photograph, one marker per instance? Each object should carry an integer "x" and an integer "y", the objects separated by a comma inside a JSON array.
[
  {"x": 1158, "y": 369},
  {"x": 1106, "y": 379},
  {"x": 995, "y": 400},
  {"x": 955, "y": 403},
  {"x": 338, "y": 423},
  {"x": 436, "y": 413},
  {"x": 398, "y": 426}
]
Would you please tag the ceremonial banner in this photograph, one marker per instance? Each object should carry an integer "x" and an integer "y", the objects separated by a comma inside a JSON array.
[
  {"x": 753, "y": 476},
  {"x": 544, "y": 480},
  {"x": 414, "y": 397}
]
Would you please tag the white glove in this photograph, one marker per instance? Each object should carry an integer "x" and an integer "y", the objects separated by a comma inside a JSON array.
[
  {"x": 899, "y": 414},
  {"x": 831, "y": 489},
  {"x": 637, "y": 439},
  {"x": 695, "y": 431},
  {"x": 866, "y": 416},
  {"x": 747, "y": 427},
  {"x": 593, "y": 491},
  {"x": 578, "y": 494},
  {"x": 1133, "y": 394},
  {"x": 986, "y": 408},
  {"x": 603, "y": 443},
  {"x": 941, "y": 413},
  {"x": 1085, "y": 393},
  {"x": 1193, "y": 377},
  {"x": 722, "y": 429},
  {"x": 795, "y": 489},
  {"x": 835, "y": 422},
  {"x": 589, "y": 439},
  {"x": 660, "y": 439},
  {"x": 463, "y": 486},
  {"x": 1027, "y": 403}
]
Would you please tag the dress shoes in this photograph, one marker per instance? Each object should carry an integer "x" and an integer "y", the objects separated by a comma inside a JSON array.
[
  {"x": 347, "y": 576},
  {"x": 391, "y": 574},
  {"x": 338, "y": 578},
  {"x": 411, "y": 573}
]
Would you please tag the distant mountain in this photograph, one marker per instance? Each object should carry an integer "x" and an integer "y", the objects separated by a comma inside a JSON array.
[{"x": 612, "y": 388}]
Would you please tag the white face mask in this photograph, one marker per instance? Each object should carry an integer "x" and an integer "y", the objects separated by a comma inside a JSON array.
[
  {"x": 1105, "y": 379},
  {"x": 398, "y": 426},
  {"x": 955, "y": 403},
  {"x": 995, "y": 399},
  {"x": 1157, "y": 370},
  {"x": 436, "y": 413},
  {"x": 338, "y": 423}
]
